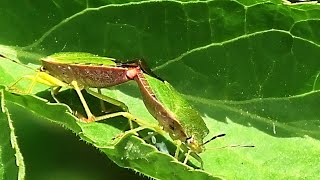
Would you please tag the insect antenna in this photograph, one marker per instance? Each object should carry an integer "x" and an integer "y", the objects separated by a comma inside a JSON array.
[
  {"x": 214, "y": 137},
  {"x": 237, "y": 145},
  {"x": 16, "y": 61},
  {"x": 231, "y": 146}
]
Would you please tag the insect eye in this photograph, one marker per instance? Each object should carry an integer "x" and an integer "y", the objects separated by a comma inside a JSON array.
[
  {"x": 190, "y": 140},
  {"x": 42, "y": 69}
]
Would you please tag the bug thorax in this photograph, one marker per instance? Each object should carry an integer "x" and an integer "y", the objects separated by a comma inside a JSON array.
[
  {"x": 132, "y": 72},
  {"x": 194, "y": 145}
]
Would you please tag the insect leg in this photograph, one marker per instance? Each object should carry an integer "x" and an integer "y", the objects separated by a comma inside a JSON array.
[
  {"x": 187, "y": 156},
  {"x": 196, "y": 157},
  {"x": 90, "y": 116},
  {"x": 178, "y": 144},
  {"x": 33, "y": 83},
  {"x": 189, "y": 153},
  {"x": 11, "y": 87},
  {"x": 132, "y": 131},
  {"x": 55, "y": 91},
  {"x": 42, "y": 78},
  {"x": 128, "y": 116},
  {"x": 27, "y": 77},
  {"x": 103, "y": 107},
  {"x": 108, "y": 99}
]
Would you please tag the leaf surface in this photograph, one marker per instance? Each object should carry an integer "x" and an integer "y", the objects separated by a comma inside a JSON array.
[
  {"x": 251, "y": 68},
  {"x": 12, "y": 164}
]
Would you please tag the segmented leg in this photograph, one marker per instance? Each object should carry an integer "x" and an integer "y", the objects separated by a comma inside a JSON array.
[
  {"x": 27, "y": 77},
  {"x": 189, "y": 153},
  {"x": 187, "y": 156},
  {"x": 131, "y": 131},
  {"x": 33, "y": 83},
  {"x": 90, "y": 116},
  {"x": 42, "y": 78},
  {"x": 55, "y": 91},
  {"x": 111, "y": 101},
  {"x": 178, "y": 144},
  {"x": 108, "y": 99},
  {"x": 196, "y": 157},
  {"x": 142, "y": 124},
  {"x": 130, "y": 117},
  {"x": 103, "y": 107}
]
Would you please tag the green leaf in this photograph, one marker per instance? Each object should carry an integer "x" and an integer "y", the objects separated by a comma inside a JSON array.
[
  {"x": 12, "y": 164},
  {"x": 251, "y": 68},
  {"x": 128, "y": 152}
]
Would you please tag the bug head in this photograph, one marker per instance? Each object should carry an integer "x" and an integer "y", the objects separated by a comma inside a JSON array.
[{"x": 195, "y": 145}]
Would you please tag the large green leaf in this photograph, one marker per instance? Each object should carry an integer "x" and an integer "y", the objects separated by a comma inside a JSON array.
[
  {"x": 12, "y": 164},
  {"x": 251, "y": 68}
]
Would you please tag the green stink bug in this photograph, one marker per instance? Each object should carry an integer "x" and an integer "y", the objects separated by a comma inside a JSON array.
[
  {"x": 174, "y": 113},
  {"x": 83, "y": 71}
]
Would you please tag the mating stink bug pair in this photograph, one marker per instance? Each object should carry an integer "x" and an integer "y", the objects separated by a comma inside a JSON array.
[{"x": 83, "y": 71}]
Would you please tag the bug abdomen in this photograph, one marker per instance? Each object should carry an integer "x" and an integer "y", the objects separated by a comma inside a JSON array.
[
  {"x": 164, "y": 116},
  {"x": 95, "y": 76}
]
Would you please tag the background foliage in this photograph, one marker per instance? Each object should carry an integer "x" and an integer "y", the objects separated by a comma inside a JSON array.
[{"x": 250, "y": 67}]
